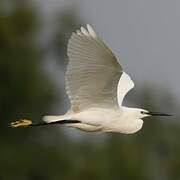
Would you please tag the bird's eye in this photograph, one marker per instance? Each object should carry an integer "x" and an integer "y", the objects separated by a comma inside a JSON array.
[{"x": 142, "y": 112}]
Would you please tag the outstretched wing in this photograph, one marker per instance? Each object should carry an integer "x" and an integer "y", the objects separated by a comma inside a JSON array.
[{"x": 93, "y": 71}]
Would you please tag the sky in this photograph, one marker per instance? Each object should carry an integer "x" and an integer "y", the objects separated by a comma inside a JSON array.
[{"x": 143, "y": 34}]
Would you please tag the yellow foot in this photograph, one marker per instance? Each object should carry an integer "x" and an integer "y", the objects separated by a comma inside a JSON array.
[{"x": 21, "y": 123}]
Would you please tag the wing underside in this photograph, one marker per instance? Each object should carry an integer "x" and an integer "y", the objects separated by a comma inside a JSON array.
[{"x": 93, "y": 71}]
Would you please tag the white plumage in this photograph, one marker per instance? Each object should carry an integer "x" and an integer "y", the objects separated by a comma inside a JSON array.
[{"x": 96, "y": 85}]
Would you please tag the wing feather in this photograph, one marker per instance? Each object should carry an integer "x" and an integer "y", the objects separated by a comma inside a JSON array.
[
  {"x": 93, "y": 71},
  {"x": 125, "y": 84}
]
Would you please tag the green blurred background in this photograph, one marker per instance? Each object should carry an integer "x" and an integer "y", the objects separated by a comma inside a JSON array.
[{"x": 31, "y": 86}]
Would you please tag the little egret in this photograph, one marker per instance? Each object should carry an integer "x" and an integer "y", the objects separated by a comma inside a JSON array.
[{"x": 96, "y": 85}]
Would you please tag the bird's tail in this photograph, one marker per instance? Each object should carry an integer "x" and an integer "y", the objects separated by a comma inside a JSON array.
[{"x": 50, "y": 119}]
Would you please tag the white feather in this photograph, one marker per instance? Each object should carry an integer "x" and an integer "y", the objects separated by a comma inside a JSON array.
[
  {"x": 96, "y": 86},
  {"x": 93, "y": 72},
  {"x": 91, "y": 31},
  {"x": 125, "y": 84},
  {"x": 49, "y": 119},
  {"x": 84, "y": 31},
  {"x": 79, "y": 32}
]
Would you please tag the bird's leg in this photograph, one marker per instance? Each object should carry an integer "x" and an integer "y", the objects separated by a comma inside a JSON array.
[{"x": 27, "y": 123}]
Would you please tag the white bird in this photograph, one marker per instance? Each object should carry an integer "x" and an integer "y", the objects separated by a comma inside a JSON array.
[{"x": 96, "y": 85}]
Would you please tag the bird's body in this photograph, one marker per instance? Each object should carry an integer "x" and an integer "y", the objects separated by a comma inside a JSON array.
[
  {"x": 96, "y": 85},
  {"x": 112, "y": 119},
  {"x": 107, "y": 120}
]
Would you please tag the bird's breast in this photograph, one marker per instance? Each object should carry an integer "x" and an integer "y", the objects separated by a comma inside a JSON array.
[{"x": 124, "y": 126}]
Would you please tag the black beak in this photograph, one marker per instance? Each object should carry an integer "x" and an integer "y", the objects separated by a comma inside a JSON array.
[{"x": 158, "y": 114}]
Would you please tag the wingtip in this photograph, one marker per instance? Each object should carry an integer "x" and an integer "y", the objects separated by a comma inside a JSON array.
[
  {"x": 78, "y": 32},
  {"x": 87, "y": 31},
  {"x": 88, "y": 25},
  {"x": 21, "y": 123},
  {"x": 91, "y": 31},
  {"x": 84, "y": 31}
]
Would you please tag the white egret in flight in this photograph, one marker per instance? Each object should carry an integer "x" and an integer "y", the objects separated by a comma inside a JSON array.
[{"x": 96, "y": 85}]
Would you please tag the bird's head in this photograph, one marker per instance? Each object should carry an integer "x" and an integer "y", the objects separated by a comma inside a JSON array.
[{"x": 142, "y": 113}]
